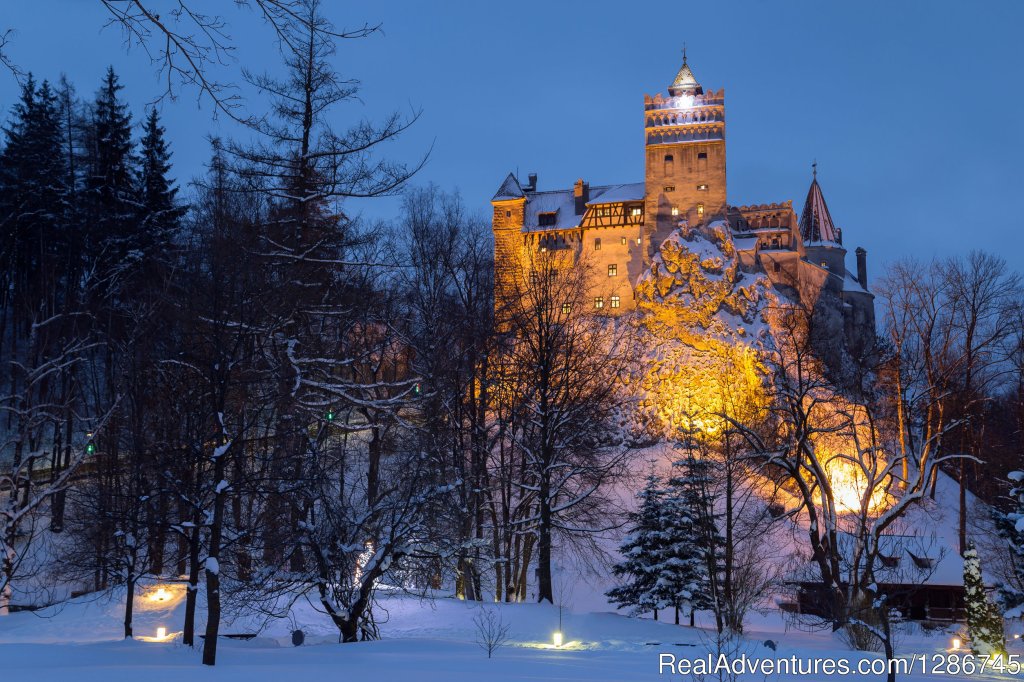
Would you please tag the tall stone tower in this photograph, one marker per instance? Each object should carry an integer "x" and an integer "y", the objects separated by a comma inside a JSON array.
[{"x": 684, "y": 156}]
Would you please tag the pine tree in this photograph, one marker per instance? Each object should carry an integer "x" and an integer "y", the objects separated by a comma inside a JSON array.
[
  {"x": 111, "y": 194},
  {"x": 984, "y": 622},
  {"x": 32, "y": 192},
  {"x": 159, "y": 212},
  {"x": 1011, "y": 528},
  {"x": 642, "y": 554},
  {"x": 692, "y": 542}
]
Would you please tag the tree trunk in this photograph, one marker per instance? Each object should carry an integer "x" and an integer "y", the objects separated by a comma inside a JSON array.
[
  {"x": 213, "y": 567},
  {"x": 129, "y": 604}
]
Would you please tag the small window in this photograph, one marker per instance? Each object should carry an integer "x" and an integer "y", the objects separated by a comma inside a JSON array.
[
  {"x": 702, "y": 155},
  {"x": 546, "y": 219},
  {"x": 613, "y": 270},
  {"x": 824, "y": 264},
  {"x": 615, "y": 301},
  {"x": 566, "y": 308},
  {"x": 675, "y": 210},
  {"x": 670, "y": 188},
  {"x": 778, "y": 266},
  {"x": 598, "y": 302},
  {"x": 638, "y": 241},
  {"x": 700, "y": 209},
  {"x": 508, "y": 214},
  {"x": 597, "y": 244},
  {"x": 636, "y": 211},
  {"x": 623, "y": 241},
  {"x": 702, "y": 188},
  {"x": 668, "y": 157}
]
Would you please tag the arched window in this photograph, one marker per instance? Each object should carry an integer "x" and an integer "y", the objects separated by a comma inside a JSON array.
[{"x": 670, "y": 165}]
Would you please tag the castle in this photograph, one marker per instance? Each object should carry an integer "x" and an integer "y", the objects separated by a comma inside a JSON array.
[{"x": 618, "y": 228}]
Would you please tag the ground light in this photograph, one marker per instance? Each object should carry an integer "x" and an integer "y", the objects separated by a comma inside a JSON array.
[
  {"x": 956, "y": 643},
  {"x": 557, "y": 639},
  {"x": 161, "y": 633}
]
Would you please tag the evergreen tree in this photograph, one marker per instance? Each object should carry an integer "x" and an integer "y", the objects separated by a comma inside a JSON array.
[
  {"x": 160, "y": 214},
  {"x": 642, "y": 553},
  {"x": 1011, "y": 527},
  {"x": 32, "y": 192},
  {"x": 984, "y": 622},
  {"x": 692, "y": 543},
  {"x": 111, "y": 195}
]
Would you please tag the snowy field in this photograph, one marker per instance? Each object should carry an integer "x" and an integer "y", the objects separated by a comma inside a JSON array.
[{"x": 423, "y": 640}]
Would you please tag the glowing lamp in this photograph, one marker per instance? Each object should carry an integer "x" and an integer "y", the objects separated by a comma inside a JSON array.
[
  {"x": 1016, "y": 636},
  {"x": 160, "y": 595},
  {"x": 956, "y": 643},
  {"x": 557, "y": 638},
  {"x": 161, "y": 633}
]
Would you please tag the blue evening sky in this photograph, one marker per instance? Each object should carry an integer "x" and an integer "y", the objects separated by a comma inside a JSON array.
[{"x": 912, "y": 109}]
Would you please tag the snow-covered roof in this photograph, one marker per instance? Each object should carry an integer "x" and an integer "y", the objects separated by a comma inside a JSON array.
[
  {"x": 560, "y": 202},
  {"x": 616, "y": 194},
  {"x": 850, "y": 283},
  {"x": 509, "y": 189},
  {"x": 745, "y": 243}
]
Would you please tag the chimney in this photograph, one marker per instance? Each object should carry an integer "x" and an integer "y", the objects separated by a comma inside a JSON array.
[
  {"x": 533, "y": 182},
  {"x": 581, "y": 192},
  {"x": 862, "y": 267}
]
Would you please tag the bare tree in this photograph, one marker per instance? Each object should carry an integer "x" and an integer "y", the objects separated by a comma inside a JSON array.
[
  {"x": 562, "y": 378},
  {"x": 491, "y": 630}
]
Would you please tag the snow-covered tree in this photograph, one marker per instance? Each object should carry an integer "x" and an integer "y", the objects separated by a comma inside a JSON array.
[
  {"x": 693, "y": 545},
  {"x": 1010, "y": 526},
  {"x": 642, "y": 554},
  {"x": 984, "y": 622}
]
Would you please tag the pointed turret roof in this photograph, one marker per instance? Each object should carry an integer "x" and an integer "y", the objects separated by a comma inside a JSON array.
[
  {"x": 816, "y": 222},
  {"x": 685, "y": 82},
  {"x": 509, "y": 189}
]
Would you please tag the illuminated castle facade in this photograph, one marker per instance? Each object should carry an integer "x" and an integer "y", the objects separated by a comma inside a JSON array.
[{"x": 617, "y": 229}]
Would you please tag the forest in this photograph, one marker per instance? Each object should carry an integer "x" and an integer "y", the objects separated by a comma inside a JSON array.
[{"x": 224, "y": 376}]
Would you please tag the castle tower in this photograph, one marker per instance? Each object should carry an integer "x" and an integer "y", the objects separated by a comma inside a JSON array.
[
  {"x": 823, "y": 241},
  {"x": 509, "y": 204},
  {"x": 684, "y": 156}
]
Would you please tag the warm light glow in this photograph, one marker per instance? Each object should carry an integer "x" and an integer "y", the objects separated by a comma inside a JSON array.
[
  {"x": 363, "y": 558},
  {"x": 161, "y": 594},
  {"x": 848, "y": 487},
  {"x": 956, "y": 643},
  {"x": 161, "y": 633},
  {"x": 557, "y": 638},
  {"x": 161, "y": 597}
]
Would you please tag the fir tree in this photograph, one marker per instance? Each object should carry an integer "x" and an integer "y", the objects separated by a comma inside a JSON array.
[
  {"x": 641, "y": 552},
  {"x": 111, "y": 195},
  {"x": 1011, "y": 528},
  {"x": 984, "y": 622},
  {"x": 694, "y": 543},
  {"x": 32, "y": 192},
  {"x": 160, "y": 213}
]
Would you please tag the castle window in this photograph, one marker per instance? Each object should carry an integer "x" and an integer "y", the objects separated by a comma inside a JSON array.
[
  {"x": 636, "y": 211},
  {"x": 638, "y": 241},
  {"x": 670, "y": 188},
  {"x": 566, "y": 308},
  {"x": 778, "y": 266},
  {"x": 622, "y": 241},
  {"x": 597, "y": 244},
  {"x": 615, "y": 301},
  {"x": 824, "y": 264},
  {"x": 546, "y": 219},
  {"x": 675, "y": 210},
  {"x": 669, "y": 165},
  {"x": 613, "y": 270},
  {"x": 508, "y": 214},
  {"x": 702, "y": 155},
  {"x": 702, "y": 188},
  {"x": 700, "y": 209},
  {"x": 598, "y": 302}
]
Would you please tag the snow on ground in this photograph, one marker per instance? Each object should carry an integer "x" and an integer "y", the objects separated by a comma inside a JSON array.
[{"x": 423, "y": 640}]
